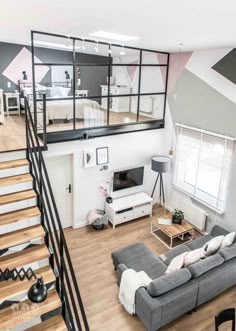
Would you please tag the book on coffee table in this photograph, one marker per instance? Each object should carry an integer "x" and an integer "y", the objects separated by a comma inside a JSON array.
[{"x": 166, "y": 221}]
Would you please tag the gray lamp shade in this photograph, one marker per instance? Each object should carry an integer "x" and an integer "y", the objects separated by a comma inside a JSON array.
[{"x": 161, "y": 164}]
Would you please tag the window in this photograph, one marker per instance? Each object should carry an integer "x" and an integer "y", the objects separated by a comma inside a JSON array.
[
  {"x": 113, "y": 88},
  {"x": 202, "y": 165}
]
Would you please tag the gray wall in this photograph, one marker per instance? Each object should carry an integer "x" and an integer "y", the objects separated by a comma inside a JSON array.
[
  {"x": 91, "y": 77},
  {"x": 200, "y": 105}
]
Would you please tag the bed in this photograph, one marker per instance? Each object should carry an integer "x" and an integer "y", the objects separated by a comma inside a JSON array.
[{"x": 59, "y": 109}]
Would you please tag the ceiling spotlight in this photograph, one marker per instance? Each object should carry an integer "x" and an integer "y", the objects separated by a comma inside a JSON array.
[{"x": 122, "y": 52}]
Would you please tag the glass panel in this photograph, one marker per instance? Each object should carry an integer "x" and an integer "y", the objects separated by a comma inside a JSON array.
[
  {"x": 89, "y": 80},
  {"x": 90, "y": 52},
  {"x": 153, "y": 79},
  {"x": 50, "y": 49},
  {"x": 123, "y": 110},
  {"x": 124, "y": 80},
  {"x": 154, "y": 58},
  {"x": 125, "y": 55},
  {"x": 151, "y": 107},
  {"x": 90, "y": 113},
  {"x": 59, "y": 115},
  {"x": 56, "y": 83}
]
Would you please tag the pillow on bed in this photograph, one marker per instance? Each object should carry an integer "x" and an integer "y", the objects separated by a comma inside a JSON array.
[
  {"x": 55, "y": 91},
  {"x": 27, "y": 91},
  {"x": 64, "y": 91},
  {"x": 40, "y": 87}
]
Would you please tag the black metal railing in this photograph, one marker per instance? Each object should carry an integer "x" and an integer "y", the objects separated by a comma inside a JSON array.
[{"x": 66, "y": 283}]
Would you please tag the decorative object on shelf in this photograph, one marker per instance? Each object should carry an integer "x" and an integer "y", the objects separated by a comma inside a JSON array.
[
  {"x": 78, "y": 77},
  {"x": 105, "y": 167},
  {"x": 37, "y": 292},
  {"x": 109, "y": 199},
  {"x": 105, "y": 188},
  {"x": 102, "y": 155},
  {"x": 25, "y": 77},
  {"x": 97, "y": 218},
  {"x": 160, "y": 164},
  {"x": 177, "y": 216},
  {"x": 89, "y": 158}
]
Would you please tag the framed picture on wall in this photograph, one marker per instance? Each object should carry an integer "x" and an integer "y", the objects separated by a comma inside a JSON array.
[
  {"x": 102, "y": 155},
  {"x": 89, "y": 158}
]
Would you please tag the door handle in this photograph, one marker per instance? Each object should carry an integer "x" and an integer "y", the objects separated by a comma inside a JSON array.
[{"x": 69, "y": 188}]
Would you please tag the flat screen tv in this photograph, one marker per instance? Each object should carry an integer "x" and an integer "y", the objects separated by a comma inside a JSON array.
[{"x": 128, "y": 178}]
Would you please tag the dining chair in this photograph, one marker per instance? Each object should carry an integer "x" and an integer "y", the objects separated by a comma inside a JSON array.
[{"x": 224, "y": 316}]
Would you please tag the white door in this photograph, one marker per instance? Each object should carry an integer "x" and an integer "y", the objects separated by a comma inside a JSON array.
[{"x": 60, "y": 175}]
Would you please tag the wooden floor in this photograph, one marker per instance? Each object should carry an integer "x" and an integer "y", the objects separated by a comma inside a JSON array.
[
  {"x": 91, "y": 256},
  {"x": 12, "y": 134}
]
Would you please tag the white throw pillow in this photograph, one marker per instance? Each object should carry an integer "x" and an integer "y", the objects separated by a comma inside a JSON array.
[
  {"x": 212, "y": 245},
  {"x": 228, "y": 240},
  {"x": 55, "y": 91},
  {"x": 64, "y": 91}
]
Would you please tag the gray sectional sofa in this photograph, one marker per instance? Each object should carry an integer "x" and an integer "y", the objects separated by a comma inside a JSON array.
[{"x": 170, "y": 296}]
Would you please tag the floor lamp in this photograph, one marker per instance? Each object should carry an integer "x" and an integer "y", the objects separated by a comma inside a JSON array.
[{"x": 160, "y": 164}]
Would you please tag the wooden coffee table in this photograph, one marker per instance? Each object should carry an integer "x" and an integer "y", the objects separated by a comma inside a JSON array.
[{"x": 175, "y": 234}]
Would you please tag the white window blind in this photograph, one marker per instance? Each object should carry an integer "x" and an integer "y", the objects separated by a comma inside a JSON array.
[{"x": 203, "y": 164}]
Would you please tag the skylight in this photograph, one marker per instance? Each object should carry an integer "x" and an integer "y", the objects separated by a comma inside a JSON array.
[
  {"x": 113, "y": 36},
  {"x": 50, "y": 44}
]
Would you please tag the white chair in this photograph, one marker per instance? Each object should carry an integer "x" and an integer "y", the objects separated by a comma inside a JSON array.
[{"x": 2, "y": 118}]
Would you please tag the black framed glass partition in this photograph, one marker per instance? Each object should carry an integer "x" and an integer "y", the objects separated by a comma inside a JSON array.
[{"x": 94, "y": 88}]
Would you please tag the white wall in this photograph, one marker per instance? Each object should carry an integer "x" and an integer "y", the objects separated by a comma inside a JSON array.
[{"x": 125, "y": 151}]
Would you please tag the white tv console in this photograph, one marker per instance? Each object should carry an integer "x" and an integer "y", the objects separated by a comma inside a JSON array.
[{"x": 128, "y": 208}]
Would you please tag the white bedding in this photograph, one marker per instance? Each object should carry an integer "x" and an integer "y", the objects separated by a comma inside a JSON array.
[
  {"x": 63, "y": 109},
  {"x": 86, "y": 109}
]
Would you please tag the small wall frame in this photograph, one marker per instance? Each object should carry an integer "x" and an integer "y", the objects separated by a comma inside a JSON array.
[{"x": 102, "y": 155}]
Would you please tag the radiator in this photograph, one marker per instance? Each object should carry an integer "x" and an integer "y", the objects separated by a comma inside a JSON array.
[{"x": 193, "y": 214}]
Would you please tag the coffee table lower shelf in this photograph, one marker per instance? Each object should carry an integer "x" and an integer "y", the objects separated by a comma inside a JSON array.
[{"x": 171, "y": 241}]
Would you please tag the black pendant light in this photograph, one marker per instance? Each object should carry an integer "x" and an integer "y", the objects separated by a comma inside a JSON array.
[{"x": 38, "y": 292}]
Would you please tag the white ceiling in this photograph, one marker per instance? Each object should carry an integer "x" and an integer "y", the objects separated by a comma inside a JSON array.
[{"x": 160, "y": 24}]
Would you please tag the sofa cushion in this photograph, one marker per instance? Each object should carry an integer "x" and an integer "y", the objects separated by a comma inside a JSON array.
[
  {"x": 228, "y": 240},
  {"x": 199, "y": 242},
  {"x": 218, "y": 231},
  {"x": 169, "y": 255},
  {"x": 212, "y": 246},
  {"x": 228, "y": 253},
  {"x": 168, "y": 282},
  {"x": 201, "y": 267},
  {"x": 139, "y": 257}
]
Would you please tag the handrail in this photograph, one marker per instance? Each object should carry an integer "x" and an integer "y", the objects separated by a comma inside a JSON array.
[{"x": 67, "y": 287}]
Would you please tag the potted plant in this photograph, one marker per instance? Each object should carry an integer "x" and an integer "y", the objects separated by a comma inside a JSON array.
[{"x": 177, "y": 216}]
